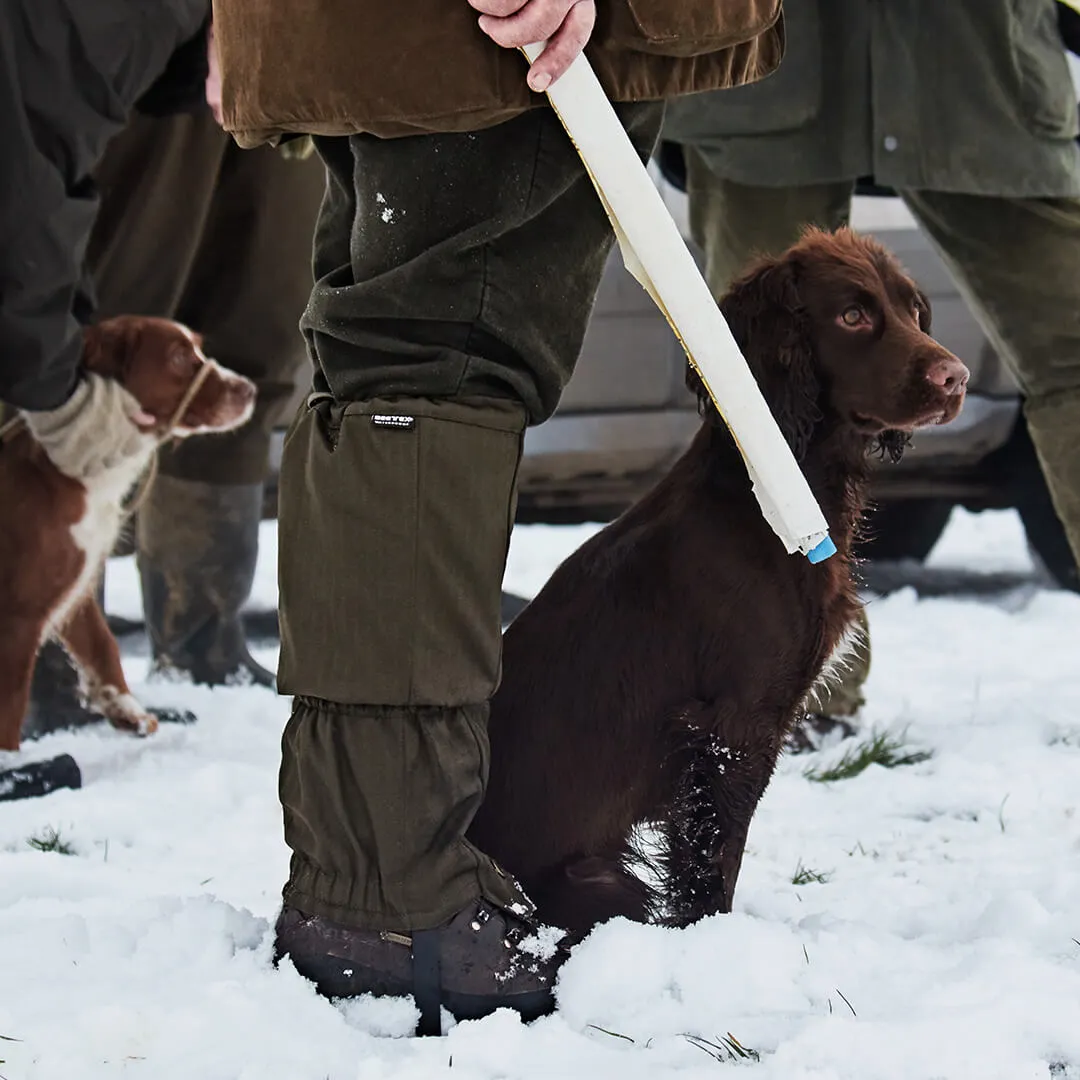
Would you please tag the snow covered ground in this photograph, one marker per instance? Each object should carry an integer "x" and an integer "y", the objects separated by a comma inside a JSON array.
[{"x": 943, "y": 944}]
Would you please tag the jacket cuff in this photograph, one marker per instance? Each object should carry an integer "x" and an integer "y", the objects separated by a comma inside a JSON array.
[
  {"x": 181, "y": 87},
  {"x": 48, "y": 389}
]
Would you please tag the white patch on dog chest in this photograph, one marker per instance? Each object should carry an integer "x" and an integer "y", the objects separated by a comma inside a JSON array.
[
  {"x": 851, "y": 642},
  {"x": 95, "y": 534}
]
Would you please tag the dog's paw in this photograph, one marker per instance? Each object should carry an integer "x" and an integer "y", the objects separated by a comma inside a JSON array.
[
  {"x": 124, "y": 712},
  {"x": 147, "y": 724}
]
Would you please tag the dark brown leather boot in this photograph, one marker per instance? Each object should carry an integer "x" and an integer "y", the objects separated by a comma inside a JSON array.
[{"x": 483, "y": 959}]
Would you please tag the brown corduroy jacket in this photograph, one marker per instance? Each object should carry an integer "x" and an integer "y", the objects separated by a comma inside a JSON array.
[{"x": 405, "y": 67}]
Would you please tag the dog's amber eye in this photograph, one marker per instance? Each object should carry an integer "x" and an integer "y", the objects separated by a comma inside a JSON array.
[
  {"x": 852, "y": 316},
  {"x": 182, "y": 358}
]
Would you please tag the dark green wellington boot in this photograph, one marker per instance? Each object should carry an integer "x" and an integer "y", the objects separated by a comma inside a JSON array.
[{"x": 197, "y": 544}]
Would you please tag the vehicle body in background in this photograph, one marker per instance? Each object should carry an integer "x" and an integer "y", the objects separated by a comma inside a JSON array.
[{"x": 626, "y": 416}]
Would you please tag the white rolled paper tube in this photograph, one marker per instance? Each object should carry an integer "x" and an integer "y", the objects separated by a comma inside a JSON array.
[{"x": 676, "y": 283}]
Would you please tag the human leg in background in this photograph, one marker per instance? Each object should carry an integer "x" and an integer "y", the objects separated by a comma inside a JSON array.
[
  {"x": 1017, "y": 264},
  {"x": 194, "y": 228},
  {"x": 455, "y": 276}
]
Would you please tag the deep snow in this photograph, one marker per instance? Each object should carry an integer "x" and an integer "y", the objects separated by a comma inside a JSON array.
[{"x": 943, "y": 945}]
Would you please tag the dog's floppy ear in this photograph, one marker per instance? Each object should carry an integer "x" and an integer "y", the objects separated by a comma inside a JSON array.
[
  {"x": 773, "y": 330},
  {"x": 924, "y": 311},
  {"x": 107, "y": 346},
  {"x": 696, "y": 386}
]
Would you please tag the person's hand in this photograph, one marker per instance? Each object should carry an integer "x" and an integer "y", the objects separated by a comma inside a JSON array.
[
  {"x": 564, "y": 24},
  {"x": 95, "y": 430},
  {"x": 213, "y": 78}
]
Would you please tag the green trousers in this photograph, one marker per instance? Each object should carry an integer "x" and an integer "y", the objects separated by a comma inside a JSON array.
[
  {"x": 455, "y": 277},
  {"x": 192, "y": 227},
  {"x": 1016, "y": 263}
]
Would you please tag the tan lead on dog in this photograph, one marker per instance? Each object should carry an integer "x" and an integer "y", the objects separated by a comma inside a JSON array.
[{"x": 63, "y": 493}]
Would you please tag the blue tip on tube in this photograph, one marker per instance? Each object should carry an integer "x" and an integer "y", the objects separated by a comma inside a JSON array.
[{"x": 825, "y": 549}]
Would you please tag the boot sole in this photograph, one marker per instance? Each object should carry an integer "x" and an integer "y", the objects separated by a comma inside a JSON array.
[{"x": 331, "y": 982}]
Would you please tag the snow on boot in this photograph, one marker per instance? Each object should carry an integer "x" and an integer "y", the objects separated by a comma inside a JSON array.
[{"x": 482, "y": 959}]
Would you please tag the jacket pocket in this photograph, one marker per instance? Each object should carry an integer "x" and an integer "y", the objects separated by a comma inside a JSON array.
[
  {"x": 786, "y": 100},
  {"x": 678, "y": 28},
  {"x": 1047, "y": 93}
]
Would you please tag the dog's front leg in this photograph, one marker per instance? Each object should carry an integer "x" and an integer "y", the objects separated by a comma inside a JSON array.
[
  {"x": 717, "y": 785},
  {"x": 19, "y": 643},
  {"x": 87, "y": 637}
]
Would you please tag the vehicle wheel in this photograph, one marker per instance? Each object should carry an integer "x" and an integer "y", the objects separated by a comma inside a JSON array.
[
  {"x": 1031, "y": 497},
  {"x": 905, "y": 529}
]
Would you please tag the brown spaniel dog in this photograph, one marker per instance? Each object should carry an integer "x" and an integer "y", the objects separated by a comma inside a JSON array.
[{"x": 653, "y": 680}]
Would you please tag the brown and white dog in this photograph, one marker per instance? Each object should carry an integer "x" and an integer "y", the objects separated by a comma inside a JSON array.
[{"x": 57, "y": 529}]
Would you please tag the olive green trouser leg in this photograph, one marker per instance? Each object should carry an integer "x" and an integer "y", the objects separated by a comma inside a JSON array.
[
  {"x": 455, "y": 276},
  {"x": 1017, "y": 263},
  {"x": 732, "y": 223},
  {"x": 193, "y": 228}
]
